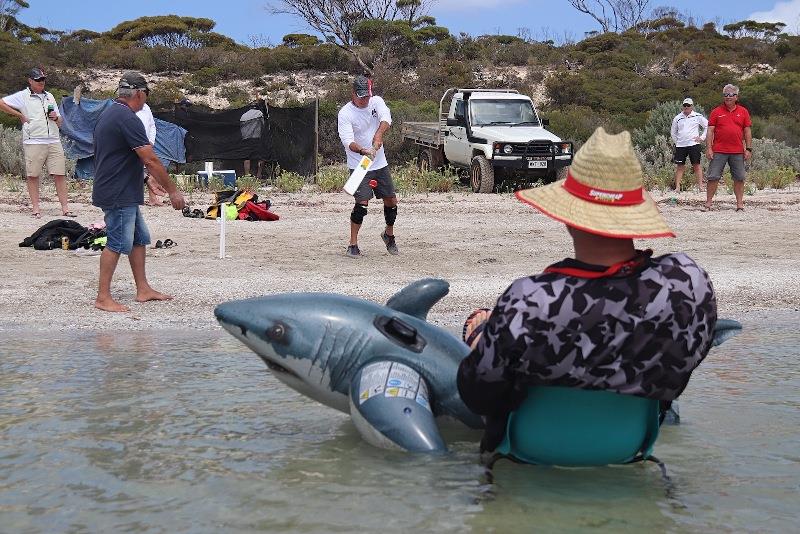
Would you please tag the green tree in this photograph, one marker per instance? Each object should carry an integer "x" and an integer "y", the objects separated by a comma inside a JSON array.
[{"x": 8, "y": 12}]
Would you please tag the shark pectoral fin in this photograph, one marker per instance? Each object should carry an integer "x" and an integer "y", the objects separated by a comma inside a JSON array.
[
  {"x": 417, "y": 298},
  {"x": 389, "y": 404},
  {"x": 725, "y": 329}
]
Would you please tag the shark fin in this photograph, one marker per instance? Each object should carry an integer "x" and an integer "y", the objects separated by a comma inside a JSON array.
[
  {"x": 390, "y": 407},
  {"x": 417, "y": 298},
  {"x": 724, "y": 330}
]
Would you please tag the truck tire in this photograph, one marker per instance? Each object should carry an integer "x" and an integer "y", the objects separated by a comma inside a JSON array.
[
  {"x": 481, "y": 175},
  {"x": 429, "y": 159}
]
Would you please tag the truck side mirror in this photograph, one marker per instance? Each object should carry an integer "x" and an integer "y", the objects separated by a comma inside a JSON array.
[
  {"x": 455, "y": 121},
  {"x": 545, "y": 122}
]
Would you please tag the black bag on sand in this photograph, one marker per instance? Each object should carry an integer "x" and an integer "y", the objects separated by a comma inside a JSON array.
[{"x": 49, "y": 235}]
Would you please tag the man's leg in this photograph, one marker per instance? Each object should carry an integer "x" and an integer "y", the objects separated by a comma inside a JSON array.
[
  {"x": 698, "y": 172},
  {"x": 390, "y": 203},
  {"x": 33, "y": 192},
  {"x": 356, "y": 219},
  {"x": 715, "y": 168},
  {"x": 144, "y": 292},
  {"x": 108, "y": 263},
  {"x": 678, "y": 176},
  {"x": 61, "y": 190},
  {"x": 739, "y": 174}
]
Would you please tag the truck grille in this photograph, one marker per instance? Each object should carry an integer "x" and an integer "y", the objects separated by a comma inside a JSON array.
[{"x": 533, "y": 148}]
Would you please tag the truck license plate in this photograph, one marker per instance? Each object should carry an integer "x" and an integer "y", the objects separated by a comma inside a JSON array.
[{"x": 537, "y": 164}]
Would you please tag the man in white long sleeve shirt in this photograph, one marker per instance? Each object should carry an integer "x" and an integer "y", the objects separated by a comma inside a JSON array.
[
  {"x": 688, "y": 130},
  {"x": 362, "y": 123}
]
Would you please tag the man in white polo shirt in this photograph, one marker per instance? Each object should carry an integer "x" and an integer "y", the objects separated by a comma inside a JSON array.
[
  {"x": 688, "y": 130},
  {"x": 361, "y": 124},
  {"x": 37, "y": 111}
]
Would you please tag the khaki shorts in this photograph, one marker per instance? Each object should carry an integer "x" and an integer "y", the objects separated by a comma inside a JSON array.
[{"x": 36, "y": 156}]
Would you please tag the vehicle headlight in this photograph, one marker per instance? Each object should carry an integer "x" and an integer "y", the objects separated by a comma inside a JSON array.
[
  {"x": 508, "y": 149},
  {"x": 566, "y": 148}
]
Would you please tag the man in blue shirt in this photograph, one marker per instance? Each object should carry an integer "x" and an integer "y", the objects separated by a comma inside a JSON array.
[{"x": 121, "y": 147}]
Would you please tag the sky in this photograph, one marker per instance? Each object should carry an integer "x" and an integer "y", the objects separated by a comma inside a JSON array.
[{"x": 249, "y": 22}]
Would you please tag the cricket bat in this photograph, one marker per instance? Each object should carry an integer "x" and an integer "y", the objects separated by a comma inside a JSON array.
[{"x": 358, "y": 175}]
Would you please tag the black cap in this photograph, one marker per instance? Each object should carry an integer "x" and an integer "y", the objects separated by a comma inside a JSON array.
[
  {"x": 361, "y": 86},
  {"x": 35, "y": 73},
  {"x": 133, "y": 80}
]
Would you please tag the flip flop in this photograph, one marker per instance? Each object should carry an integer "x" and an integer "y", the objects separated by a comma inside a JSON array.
[
  {"x": 69, "y": 214},
  {"x": 36, "y": 215},
  {"x": 740, "y": 209},
  {"x": 705, "y": 208}
]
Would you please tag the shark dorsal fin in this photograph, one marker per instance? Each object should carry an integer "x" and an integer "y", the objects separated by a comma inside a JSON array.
[{"x": 417, "y": 298}]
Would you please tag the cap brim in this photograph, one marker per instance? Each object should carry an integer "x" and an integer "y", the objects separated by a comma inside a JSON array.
[{"x": 638, "y": 221}]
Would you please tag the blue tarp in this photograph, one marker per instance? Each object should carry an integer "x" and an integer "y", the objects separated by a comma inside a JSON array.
[{"x": 78, "y": 135}]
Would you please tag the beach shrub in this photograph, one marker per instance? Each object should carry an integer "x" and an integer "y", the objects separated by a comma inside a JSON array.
[
  {"x": 777, "y": 178},
  {"x": 331, "y": 179},
  {"x": 769, "y": 154},
  {"x": 11, "y": 159},
  {"x": 659, "y": 122},
  {"x": 289, "y": 182}
]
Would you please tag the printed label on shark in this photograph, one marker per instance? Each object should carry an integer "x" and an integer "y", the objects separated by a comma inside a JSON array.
[
  {"x": 373, "y": 380},
  {"x": 422, "y": 396}
]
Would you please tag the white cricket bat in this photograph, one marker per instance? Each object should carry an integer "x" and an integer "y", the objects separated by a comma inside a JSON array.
[{"x": 358, "y": 174}]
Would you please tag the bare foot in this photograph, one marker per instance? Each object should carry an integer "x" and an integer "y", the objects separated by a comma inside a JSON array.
[
  {"x": 152, "y": 294},
  {"x": 110, "y": 305}
]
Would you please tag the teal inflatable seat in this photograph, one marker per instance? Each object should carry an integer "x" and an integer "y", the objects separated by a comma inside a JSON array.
[{"x": 580, "y": 427}]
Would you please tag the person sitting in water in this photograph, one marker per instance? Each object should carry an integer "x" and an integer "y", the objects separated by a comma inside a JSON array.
[{"x": 612, "y": 318}]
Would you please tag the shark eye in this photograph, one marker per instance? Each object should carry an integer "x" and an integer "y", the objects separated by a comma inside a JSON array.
[{"x": 278, "y": 332}]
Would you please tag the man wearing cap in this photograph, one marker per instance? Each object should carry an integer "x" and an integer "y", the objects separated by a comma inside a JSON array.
[
  {"x": 37, "y": 111},
  {"x": 362, "y": 123},
  {"x": 729, "y": 141},
  {"x": 121, "y": 147},
  {"x": 688, "y": 131},
  {"x": 612, "y": 318}
]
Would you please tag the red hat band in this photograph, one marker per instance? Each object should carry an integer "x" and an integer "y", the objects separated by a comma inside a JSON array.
[{"x": 596, "y": 195}]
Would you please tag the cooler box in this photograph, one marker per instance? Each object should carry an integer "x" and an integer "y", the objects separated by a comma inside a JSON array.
[{"x": 228, "y": 177}]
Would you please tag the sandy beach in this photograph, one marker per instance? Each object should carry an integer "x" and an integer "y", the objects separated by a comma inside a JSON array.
[{"x": 479, "y": 243}]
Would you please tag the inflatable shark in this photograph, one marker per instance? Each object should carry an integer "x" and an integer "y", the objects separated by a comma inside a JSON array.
[{"x": 391, "y": 370}]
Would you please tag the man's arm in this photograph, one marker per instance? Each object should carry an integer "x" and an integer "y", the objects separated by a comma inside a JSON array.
[
  {"x": 704, "y": 126},
  {"x": 157, "y": 171},
  {"x": 710, "y": 142},
  {"x": 748, "y": 143},
  {"x": 12, "y": 111},
  {"x": 673, "y": 131},
  {"x": 377, "y": 139}
]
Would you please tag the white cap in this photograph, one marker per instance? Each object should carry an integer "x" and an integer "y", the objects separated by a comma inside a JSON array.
[{"x": 688, "y": 101}]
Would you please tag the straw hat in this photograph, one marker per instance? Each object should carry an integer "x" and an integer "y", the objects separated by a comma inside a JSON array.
[{"x": 603, "y": 192}]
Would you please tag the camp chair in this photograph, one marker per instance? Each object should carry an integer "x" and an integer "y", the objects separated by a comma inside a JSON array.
[{"x": 580, "y": 427}]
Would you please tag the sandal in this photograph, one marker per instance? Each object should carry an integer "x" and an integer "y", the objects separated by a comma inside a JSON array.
[
  {"x": 36, "y": 215},
  {"x": 705, "y": 208},
  {"x": 69, "y": 214},
  {"x": 740, "y": 209}
]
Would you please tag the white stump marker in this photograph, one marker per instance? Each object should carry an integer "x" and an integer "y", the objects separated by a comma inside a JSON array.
[{"x": 222, "y": 217}]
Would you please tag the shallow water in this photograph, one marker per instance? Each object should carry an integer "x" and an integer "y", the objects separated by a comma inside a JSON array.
[{"x": 188, "y": 432}]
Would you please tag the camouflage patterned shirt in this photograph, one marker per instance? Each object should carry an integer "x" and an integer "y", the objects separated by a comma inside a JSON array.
[{"x": 640, "y": 331}]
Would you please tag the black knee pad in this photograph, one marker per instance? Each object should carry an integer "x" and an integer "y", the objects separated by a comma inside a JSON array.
[
  {"x": 390, "y": 214},
  {"x": 359, "y": 211}
]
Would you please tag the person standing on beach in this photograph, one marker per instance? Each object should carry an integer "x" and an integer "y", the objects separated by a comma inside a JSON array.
[
  {"x": 37, "y": 111},
  {"x": 688, "y": 130},
  {"x": 154, "y": 190},
  {"x": 729, "y": 141},
  {"x": 611, "y": 318},
  {"x": 362, "y": 123},
  {"x": 121, "y": 147}
]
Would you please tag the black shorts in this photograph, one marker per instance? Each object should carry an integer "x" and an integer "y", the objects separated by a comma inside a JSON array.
[
  {"x": 682, "y": 151},
  {"x": 384, "y": 189}
]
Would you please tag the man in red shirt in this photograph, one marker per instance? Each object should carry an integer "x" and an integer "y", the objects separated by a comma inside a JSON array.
[{"x": 729, "y": 141}]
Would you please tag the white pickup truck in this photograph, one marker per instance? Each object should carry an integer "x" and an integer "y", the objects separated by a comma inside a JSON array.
[{"x": 495, "y": 134}]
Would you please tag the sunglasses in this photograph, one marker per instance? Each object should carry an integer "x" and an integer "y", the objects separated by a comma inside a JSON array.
[
  {"x": 39, "y": 79},
  {"x": 687, "y": 105},
  {"x": 730, "y": 95},
  {"x": 145, "y": 91}
]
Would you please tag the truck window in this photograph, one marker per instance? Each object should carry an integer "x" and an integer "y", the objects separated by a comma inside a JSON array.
[
  {"x": 512, "y": 112},
  {"x": 458, "y": 108}
]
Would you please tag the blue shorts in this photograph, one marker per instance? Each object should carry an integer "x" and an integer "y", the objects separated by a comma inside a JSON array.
[{"x": 126, "y": 229}]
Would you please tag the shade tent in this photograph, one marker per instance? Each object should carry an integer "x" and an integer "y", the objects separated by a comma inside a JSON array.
[
  {"x": 78, "y": 135},
  {"x": 255, "y": 132}
]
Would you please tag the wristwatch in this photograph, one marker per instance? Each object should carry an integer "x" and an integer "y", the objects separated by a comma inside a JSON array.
[{"x": 748, "y": 149}]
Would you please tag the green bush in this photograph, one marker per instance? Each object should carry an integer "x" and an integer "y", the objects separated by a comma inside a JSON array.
[
  {"x": 331, "y": 179},
  {"x": 777, "y": 178},
  {"x": 12, "y": 160},
  {"x": 289, "y": 182},
  {"x": 659, "y": 122}
]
